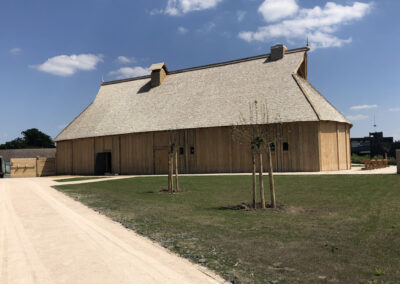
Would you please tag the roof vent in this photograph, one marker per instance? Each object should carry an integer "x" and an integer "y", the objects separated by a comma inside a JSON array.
[
  {"x": 159, "y": 72},
  {"x": 278, "y": 52}
]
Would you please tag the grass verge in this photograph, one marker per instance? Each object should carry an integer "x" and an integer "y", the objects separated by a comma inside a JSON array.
[
  {"x": 341, "y": 229},
  {"x": 77, "y": 179}
]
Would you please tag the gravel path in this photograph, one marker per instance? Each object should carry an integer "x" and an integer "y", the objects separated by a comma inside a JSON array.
[{"x": 46, "y": 237}]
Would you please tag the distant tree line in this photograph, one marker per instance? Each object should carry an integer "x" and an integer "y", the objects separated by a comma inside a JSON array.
[{"x": 31, "y": 138}]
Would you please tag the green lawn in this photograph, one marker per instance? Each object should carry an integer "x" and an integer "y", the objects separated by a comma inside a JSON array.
[
  {"x": 77, "y": 179},
  {"x": 343, "y": 229}
]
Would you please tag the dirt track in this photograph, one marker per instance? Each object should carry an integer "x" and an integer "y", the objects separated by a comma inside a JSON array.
[{"x": 46, "y": 237}]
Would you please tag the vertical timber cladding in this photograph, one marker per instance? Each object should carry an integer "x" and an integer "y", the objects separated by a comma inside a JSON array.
[
  {"x": 64, "y": 157},
  {"x": 310, "y": 146},
  {"x": 83, "y": 156},
  {"x": 334, "y": 145},
  {"x": 184, "y": 141},
  {"x": 137, "y": 153}
]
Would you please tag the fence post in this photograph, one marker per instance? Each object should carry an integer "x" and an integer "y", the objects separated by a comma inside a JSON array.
[
  {"x": 37, "y": 172},
  {"x": 398, "y": 160}
]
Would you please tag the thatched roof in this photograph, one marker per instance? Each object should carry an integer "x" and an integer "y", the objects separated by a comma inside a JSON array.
[{"x": 208, "y": 96}]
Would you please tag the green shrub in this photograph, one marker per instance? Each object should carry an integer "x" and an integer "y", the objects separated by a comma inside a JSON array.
[{"x": 359, "y": 159}]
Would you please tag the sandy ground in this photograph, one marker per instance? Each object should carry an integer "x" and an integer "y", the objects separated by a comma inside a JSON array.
[{"x": 46, "y": 237}]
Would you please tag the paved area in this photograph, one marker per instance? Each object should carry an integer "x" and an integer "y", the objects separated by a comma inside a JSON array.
[
  {"x": 354, "y": 171},
  {"x": 46, "y": 237}
]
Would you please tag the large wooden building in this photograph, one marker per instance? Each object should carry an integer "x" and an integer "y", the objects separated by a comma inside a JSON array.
[{"x": 127, "y": 127}]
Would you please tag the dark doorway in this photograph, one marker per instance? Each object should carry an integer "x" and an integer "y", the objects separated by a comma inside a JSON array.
[{"x": 102, "y": 163}]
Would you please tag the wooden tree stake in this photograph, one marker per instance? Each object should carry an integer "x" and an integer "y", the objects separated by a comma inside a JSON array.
[
  {"x": 271, "y": 178},
  {"x": 262, "y": 197},
  {"x": 253, "y": 156},
  {"x": 176, "y": 171},
  {"x": 170, "y": 173}
]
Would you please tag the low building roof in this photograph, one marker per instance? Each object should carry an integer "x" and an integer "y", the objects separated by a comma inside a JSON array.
[
  {"x": 207, "y": 96},
  {"x": 8, "y": 154}
]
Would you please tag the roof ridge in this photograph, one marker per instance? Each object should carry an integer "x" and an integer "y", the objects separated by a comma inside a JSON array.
[
  {"x": 295, "y": 77},
  {"x": 201, "y": 67},
  {"x": 324, "y": 98}
]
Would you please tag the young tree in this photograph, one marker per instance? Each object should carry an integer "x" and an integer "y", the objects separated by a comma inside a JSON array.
[
  {"x": 257, "y": 132},
  {"x": 173, "y": 137}
]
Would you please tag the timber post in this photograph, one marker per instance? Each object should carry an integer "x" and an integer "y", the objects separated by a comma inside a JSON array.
[
  {"x": 271, "y": 178},
  {"x": 253, "y": 157},
  {"x": 176, "y": 171},
  {"x": 262, "y": 197}
]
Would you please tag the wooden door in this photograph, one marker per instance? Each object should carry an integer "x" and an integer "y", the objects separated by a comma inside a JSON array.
[{"x": 161, "y": 161}]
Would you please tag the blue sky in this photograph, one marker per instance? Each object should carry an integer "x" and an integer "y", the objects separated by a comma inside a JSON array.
[{"x": 53, "y": 54}]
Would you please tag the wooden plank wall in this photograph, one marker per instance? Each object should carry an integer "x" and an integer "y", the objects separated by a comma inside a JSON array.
[
  {"x": 32, "y": 167},
  {"x": 215, "y": 150},
  {"x": 22, "y": 167},
  {"x": 335, "y": 146},
  {"x": 83, "y": 156},
  {"x": 64, "y": 157},
  {"x": 45, "y": 167},
  {"x": 137, "y": 153}
]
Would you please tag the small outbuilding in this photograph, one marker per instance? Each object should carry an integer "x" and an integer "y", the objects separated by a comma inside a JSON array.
[{"x": 126, "y": 130}]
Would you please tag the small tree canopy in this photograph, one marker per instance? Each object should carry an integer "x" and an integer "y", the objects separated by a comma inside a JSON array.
[{"x": 31, "y": 138}]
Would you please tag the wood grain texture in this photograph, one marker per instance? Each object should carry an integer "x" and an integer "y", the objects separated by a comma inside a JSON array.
[{"x": 311, "y": 146}]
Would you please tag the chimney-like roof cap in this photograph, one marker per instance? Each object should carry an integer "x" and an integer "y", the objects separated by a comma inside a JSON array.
[{"x": 158, "y": 66}]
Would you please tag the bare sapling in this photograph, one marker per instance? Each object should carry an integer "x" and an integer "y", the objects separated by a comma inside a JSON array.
[
  {"x": 256, "y": 131},
  {"x": 173, "y": 138}
]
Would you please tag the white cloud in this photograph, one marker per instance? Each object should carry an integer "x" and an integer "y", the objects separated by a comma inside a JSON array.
[
  {"x": 182, "y": 30},
  {"x": 125, "y": 60},
  {"x": 273, "y": 10},
  {"x": 241, "y": 15},
  {"x": 67, "y": 65},
  {"x": 357, "y": 117},
  {"x": 15, "y": 50},
  {"x": 396, "y": 109},
  {"x": 179, "y": 7},
  {"x": 319, "y": 24},
  {"x": 129, "y": 72},
  {"x": 363, "y": 107}
]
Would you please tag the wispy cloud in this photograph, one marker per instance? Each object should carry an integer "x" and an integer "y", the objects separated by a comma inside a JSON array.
[
  {"x": 240, "y": 15},
  {"x": 360, "y": 107},
  {"x": 357, "y": 117},
  {"x": 15, "y": 50},
  {"x": 181, "y": 7},
  {"x": 125, "y": 60},
  {"x": 67, "y": 65},
  {"x": 206, "y": 28},
  {"x": 182, "y": 30},
  {"x": 396, "y": 109},
  {"x": 129, "y": 72},
  {"x": 287, "y": 20}
]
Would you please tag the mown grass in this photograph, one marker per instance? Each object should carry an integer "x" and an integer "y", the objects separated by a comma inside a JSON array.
[
  {"x": 77, "y": 179},
  {"x": 343, "y": 229}
]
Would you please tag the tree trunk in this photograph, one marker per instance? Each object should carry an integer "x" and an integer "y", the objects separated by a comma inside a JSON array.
[
  {"x": 170, "y": 173},
  {"x": 253, "y": 156},
  {"x": 262, "y": 197},
  {"x": 176, "y": 172},
  {"x": 271, "y": 178}
]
